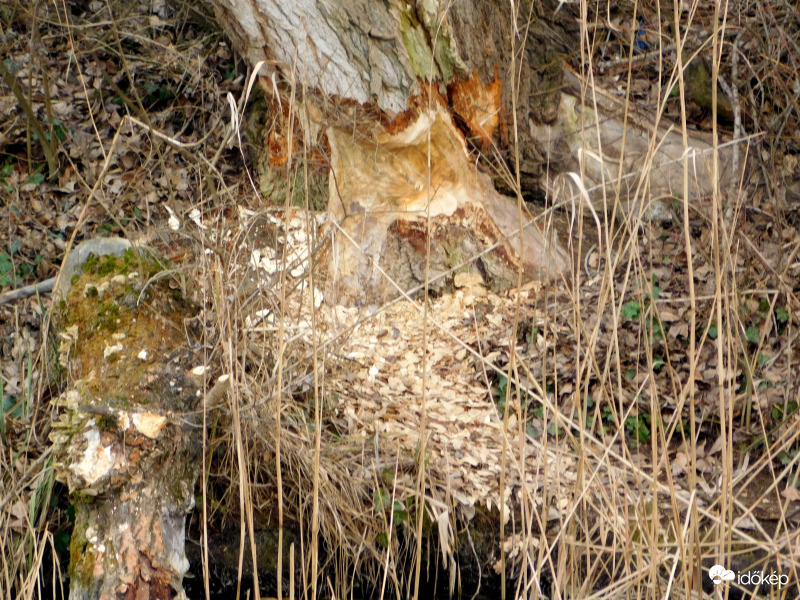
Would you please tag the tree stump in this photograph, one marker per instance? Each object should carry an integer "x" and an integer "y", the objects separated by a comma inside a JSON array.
[
  {"x": 125, "y": 444},
  {"x": 375, "y": 75}
]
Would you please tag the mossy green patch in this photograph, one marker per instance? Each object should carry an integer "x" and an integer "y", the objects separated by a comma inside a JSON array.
[
  {"x": 455, "y": 258},
  {"x": 445, "y": 59},
  {"x": 120, "y": 309},
  {"x": 416, "y": 43}
]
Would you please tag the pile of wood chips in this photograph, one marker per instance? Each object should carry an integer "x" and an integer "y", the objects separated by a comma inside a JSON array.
[{"x": 389, "y": 376}]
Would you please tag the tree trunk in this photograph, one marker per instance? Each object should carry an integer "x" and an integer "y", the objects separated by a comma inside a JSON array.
[
  {"x": 404, "y": 94},
  {"x": 491, "y": 66},
  {"x": 124, "y": 443},
  {"x": 402, "y": 178}
]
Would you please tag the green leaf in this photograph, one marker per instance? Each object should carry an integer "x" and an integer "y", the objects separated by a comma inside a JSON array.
[
  {"x": 380, "y": 499},
  {"x": 11, "y": 408},
  {"x": 388, "y": 477},
  {"x": 24, "y": 270},
  {"x": 753, "y": 335},
  {"x": 58, "y": 129},
  {"x": 502, "y": 384},
  {"x": 553, "y": 429},
  {"x": 779, "y": 411},
  {"x": 655, "y": 292},
  {"x": 631, "y": 310},
  {"x": 657, "y": 331},
  {"x": 36, "y": 178},
  {"x": 781, "y": 315},
  {"x": 6, "y": 269},
  {"x": 400, "y": 513},
  {"x": 713, "y": 332},
  {"x": 638, "y": 429}
]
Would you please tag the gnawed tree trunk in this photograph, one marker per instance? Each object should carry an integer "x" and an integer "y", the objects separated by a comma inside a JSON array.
[
  {"x": 405, "y": 200},
  {"x": 410, "y": 207},
  {"x": 384, "y": 185},
  {"x": 380, "y": 53},
  {"x": 124, "y": 443}
]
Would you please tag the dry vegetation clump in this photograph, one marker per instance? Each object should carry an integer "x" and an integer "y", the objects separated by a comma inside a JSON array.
[{"x": 610, "y": 436}]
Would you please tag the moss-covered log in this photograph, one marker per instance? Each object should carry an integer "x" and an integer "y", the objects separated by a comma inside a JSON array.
[{"x": 125, "y": 443}]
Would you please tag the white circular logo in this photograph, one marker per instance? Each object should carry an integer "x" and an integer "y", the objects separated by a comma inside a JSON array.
[{"x": 718, "y": 574}]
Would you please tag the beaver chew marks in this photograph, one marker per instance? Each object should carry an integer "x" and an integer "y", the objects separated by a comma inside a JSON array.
[{"x": 383, "y": 189}]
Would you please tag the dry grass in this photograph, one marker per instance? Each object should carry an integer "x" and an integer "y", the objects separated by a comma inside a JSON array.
[{"x": 644, "y": 413}]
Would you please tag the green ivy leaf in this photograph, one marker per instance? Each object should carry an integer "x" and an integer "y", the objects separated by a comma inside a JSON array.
[
  {"x": 380, "y": 499},
  {"x": 400, "y": 513}
]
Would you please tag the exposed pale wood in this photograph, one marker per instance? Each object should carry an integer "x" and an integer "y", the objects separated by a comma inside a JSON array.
[
  {"x": 412, "y": 202},
  {"x": 372, "y": 51}
]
